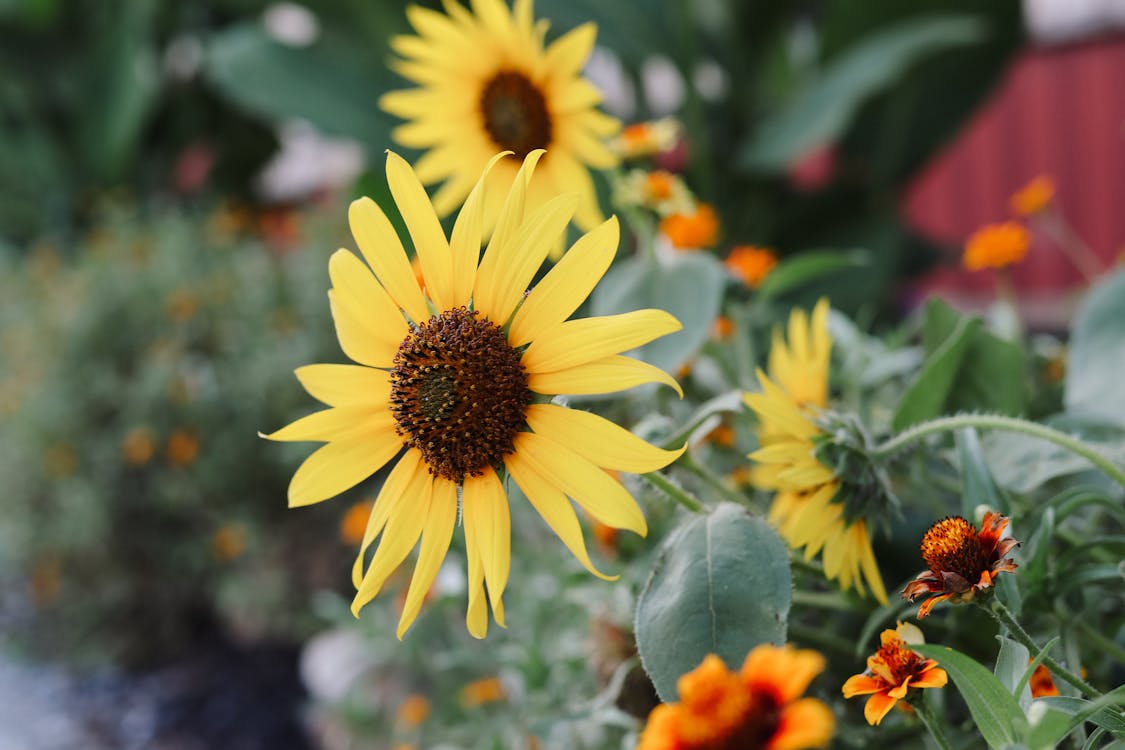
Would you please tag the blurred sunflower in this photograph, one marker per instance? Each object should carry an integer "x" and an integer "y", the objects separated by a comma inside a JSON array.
[
  {"x": 812, "y": 507},
  {"x": 488, "y": 82},
  {"x": 454, "y": 382}
]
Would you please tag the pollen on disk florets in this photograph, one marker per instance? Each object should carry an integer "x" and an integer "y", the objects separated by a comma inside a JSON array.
[
  {"x": 952, "y": 545},
  {"x": 458, "y": 393},
  {"x": 515, "y": 113}
]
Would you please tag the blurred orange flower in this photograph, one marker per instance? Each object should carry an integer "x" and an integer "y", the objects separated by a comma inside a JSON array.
[
  {"x": 996, "y": 246},
  {"x": 722, "y": 327},
  {"x": 480, "y": 692},
  {"x": 138, "y": 446},
  {"x": 1033, "y": 197},
  {"x": 182, "y": 448},
  {"x": 647, "y": 138},
  {"x": 354, "y": 523},
  {"x": 1042, "y": 683},
  {"x": 751, "y": 265},
  {"x": 692, "y": 231},
  {"x": 228, "y": 542},
  {"x": 413, "y": 710}
]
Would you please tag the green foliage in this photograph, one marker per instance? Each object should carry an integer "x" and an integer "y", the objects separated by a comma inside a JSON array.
[
  {"x": 1097, "y": 352},
  {"x": 720, "y": 586},
  {"x": 799, "y": 271}
]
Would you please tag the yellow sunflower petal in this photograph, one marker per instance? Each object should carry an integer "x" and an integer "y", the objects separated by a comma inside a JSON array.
[
  {"x": 436, "y": 536},
  {"x": 867, "y": 563},
  {"x": 568, "y": 284},
  {"x": 498, "y": 294},
  {"x": 570, "y": 175},
  {"x": 381, "y": 248},
  {"x": 408, "y": 469},
  {"x": 606, "y": 375},
  {"x": 508, "y": 222},
  {"x": 425, "y": 230},
  {"x": 340, "y": 465},
  {"x": 567, "y": 54},
  {"x": 488, "y": 523},
  {"x": 466, "y": 239},
  {"x": 555, "y": 509},
  {"x": 339, "y": 423},
  {"x": 577, "y": 342},
  {"x": 598, "y": 440},
  {"x": 476, "y": 615},
  {"x": 598, "y": 493},
  {"x": 345, "y": 385},
  {"x": 404, "y": 527}
]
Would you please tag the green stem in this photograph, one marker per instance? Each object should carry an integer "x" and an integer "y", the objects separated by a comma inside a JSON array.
[
  {"x": 689, "y": 463},
  {"x": 824, "y": 600},
  {"x": 931, "y": 723},
  {"x": 798, "y": 561},
  {"x": 820, "y": 639},
  {"x": 998, "y": 422},
  {"x": 1091, "y": 634},
  {"x": 660, "y": 482},
  {"x": 1004, "y": 617}
]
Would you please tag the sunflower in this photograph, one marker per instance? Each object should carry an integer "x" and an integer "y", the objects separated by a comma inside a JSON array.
[
  {"x": 488, "y": 82},
  {"x": 757, "y": 708},
  {"x": 892, "y": 671},
  {"x": 453, "y": 384},
  {"x": 963, "y": 562},
  {"x": 809, "y": 507}
]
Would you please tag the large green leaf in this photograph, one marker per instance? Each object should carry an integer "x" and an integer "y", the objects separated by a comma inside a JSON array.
[
  {"x": 1097, "y": 352},
  {"x": 1022, "y": 463},
  {"x": 927, "y": 395},
  {"x": 721, "y": 585},
  {"x": 324, "y": 83},
  {"x": 995, "y": 710},
  {"x": 821, "y": 112},
  {"x": 800, "y": 270},
  {"x": 690, "y": 287},
  {"x": 1011, "y": 663},
  {"x": 976, "y": 479}
]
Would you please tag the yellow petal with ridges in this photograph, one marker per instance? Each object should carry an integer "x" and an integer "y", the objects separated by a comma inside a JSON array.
[
  {"x": 425, "y": 229},
  {"x": 466, "y": 238},
  {"x": 550, "y": 502},
  {"x": 568, "y": 284},
  {"x": 577, "y": 342},
  {"x": 436, "y": 536},
  {"x": 606, "y": 375},
  {"x": 508, "y": 222},
  {"x": 355, "y": 330},
  {"x": 383, "y": 251},
  {"x": 476, "y": 615},
  {"x": 567, "y": 54},
  {"x": 570, "y": 175},
  {"x": 404, "y": 527},
  {"x": 341, "y": 465},
  {"x": 339, "y": 423},
  {"x": 357, "y": 287},
  {"x": 598, "y": 440},
  {"x": 408, "y": 469},
  {"x": 497, "y": 295},
  {"x": 345, "y": 385},
  {"x": 598, "y": 493},
  {"x": 488, "y": 523}
]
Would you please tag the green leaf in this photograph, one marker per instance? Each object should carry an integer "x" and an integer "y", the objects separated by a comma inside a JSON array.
[
  {"x": 926, "y": 396},
  {"x": 1096, "y": 712},
  {"x": 797, "y": 271},
  {"x": 690, "y": 287},
  {"x": 979, "y": 488},
  {"x": 1011, "y": 664},
  {"x": 1096, "y": 356},
  {"x": 321, "y": 83},
  {"x": 721, "y": 585},
  {"x": 1022, "y": 463},
  {"x": 994, "y": 710},
  {"x": 823, "y": 110}
]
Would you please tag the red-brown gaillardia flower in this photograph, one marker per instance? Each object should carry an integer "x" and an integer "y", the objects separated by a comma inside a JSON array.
[
  {"x": 892, "y": 671},
  {"x": 962, "y": 560}
]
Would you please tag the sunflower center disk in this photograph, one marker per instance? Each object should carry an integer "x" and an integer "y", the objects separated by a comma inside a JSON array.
[
  {"x": 515, "y": 114},
  {"x": 458, "y": 394}
]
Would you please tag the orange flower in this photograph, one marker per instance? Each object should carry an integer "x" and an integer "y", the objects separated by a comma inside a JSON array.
[
  {"x": 659, "y": 185},
  {"x": 757, "y": 707},
  {"x": 996, "y": 246},
  {"x": 354, "y": 523},
  {"x": 1042, "y": 683},
  {"x": 692, "y": 231},
  {"x": 182, "y": 306},
  {"x": 750, "y": 264},
  {"x": 647, "y": 138},
  {"x": 962, "y": 560},
  {"x": 138, "y": 446},
  {"x": 183, "y": 447},
  {"x": 413, "y": 710},
  {"x": 722, "y": 327},
  {"x": 479, "y": 692},
  {"x": 722, "y": 435},
  {"x": 228, "y": 542},
  {"x": 892, "y": 671},
  {"x": 1033, "y": 197}
]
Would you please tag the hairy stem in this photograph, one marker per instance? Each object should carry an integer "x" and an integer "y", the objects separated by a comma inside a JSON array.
[{"x": 662, "y": 483}]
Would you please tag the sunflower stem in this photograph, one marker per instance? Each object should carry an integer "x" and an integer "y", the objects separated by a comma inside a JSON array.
[
  {"x": 931, "y": 723},
  {"x": 711, "y": 480},
  {"x": 660, "y": 482},
  {"x": 1006, "y": 619},
  {"x": 998, "y": 422}
]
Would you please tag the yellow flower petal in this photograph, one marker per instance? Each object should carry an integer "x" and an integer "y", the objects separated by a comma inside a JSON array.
[
  {"x": 567, "y": 173},
  {"x": 425, "y": 230},
  {"x": 598, "y": 440},
  {"x": 368, "y": 324},
  {"x": 568, "y": 284},
  {"x": 339, "y": 423},
  {"x": 598, "y": 493},
  {"x": 577, "y": 342},
  {"x": 476, "y": 615},
  {"x": 508, "y": 223},
  {"x": 488, "y": 525},
  {"x": 381, "y": 248},
  {"x": 408, "y": 469},
  {"x": 340, "y": 465},
  {"x": 466, "y": 239},
  {"x": 498, "y": 293},
  {"x": 345, "y": 385},
  {"x": 555, "y": 509},
  {"x": 404, "y": 525},
  {"x": 606, "y": 375},
  {"x": 436, "y": 536},
  {"x": 567, "y": 54}
]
